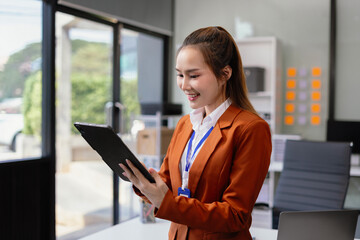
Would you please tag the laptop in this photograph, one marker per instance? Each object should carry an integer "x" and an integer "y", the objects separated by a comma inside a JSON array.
[{"x": 318, "y": 225}]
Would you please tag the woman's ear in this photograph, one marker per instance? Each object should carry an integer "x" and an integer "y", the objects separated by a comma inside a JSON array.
[{"x": 227, "y": 70}]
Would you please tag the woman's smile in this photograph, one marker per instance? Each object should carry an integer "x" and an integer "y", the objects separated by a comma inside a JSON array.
[{"x": 192, "y": 97}]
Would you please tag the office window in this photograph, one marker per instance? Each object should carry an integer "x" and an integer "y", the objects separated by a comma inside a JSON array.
[
  {"x": 83, "y": 90},
  {"x": 141, "y": 75},
  {"x": 20, "y": 79},
  {"x": 141, "y": 81},
  {"x": 84, "y": 65}
]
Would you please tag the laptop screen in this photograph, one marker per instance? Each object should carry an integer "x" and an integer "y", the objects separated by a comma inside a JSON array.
[{"x": 318, "y": 225}]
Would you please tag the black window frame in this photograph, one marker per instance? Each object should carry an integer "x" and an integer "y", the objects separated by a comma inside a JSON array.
[{"x": 348, "y": 131}]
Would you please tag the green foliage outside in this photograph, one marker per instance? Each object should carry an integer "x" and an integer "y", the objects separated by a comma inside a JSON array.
[
  {"x": 90, "y": 93},
  {"x": 91, "y": 58},
  {"x": 129, "y": 98},
  {"x": 32, "y": 105},
  {"x": 91, "y": 89},
  {"x": 17, "y": 69}
]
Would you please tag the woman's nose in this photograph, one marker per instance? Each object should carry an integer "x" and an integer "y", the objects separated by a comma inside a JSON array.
[{"x": 185, "y": 84}]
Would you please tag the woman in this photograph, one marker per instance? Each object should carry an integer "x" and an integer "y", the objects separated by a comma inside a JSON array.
[{"x": 219, "y": 154}]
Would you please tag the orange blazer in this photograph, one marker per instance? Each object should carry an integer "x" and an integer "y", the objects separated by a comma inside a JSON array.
[{"x": 225, "y": 178}]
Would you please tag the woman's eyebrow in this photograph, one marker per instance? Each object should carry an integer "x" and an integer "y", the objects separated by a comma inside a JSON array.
[{"x": 189, "y": 70}]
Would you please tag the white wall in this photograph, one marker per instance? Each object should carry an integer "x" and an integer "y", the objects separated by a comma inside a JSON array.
[{"x": 348, "y": 62}]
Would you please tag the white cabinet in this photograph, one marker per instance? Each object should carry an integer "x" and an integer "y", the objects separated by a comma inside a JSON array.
[{"x": 265, "y": 52}]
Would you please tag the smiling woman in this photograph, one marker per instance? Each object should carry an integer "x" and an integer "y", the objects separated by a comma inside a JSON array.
[{"x": 214, "y": 149}]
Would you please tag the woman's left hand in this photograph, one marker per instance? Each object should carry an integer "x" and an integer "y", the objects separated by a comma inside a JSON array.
[{"x": 155, "y": 192}]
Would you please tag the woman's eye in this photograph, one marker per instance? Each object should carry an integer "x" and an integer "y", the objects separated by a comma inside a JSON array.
[
  {"x": 180, "y": 75},
  {"x": 194, "y": 76}
]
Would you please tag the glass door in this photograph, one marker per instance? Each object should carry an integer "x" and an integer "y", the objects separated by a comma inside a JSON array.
[
  {"x": 84, "y": 62},
  {"x": 88, "y": 196},
  {"x": 141, "y": 81}
]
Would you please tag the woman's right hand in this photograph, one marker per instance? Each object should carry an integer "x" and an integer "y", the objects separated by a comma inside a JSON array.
[{"x": 155, "y": 192}]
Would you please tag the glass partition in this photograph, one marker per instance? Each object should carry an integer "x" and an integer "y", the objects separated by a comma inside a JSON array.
[
  {"x": 84, "y": 65},
  {"x": 141, "y": 81},
  {"x": 83, "y": 89}
]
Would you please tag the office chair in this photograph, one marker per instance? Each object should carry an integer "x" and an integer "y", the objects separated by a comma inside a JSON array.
[{"x": 315, "y": 176}]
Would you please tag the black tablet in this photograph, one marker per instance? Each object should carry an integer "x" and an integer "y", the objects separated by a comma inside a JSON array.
[{"x": 110, "y": 147}]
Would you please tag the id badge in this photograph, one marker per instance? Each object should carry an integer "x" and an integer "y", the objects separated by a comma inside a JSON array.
[{"x": 184, "y": 192}]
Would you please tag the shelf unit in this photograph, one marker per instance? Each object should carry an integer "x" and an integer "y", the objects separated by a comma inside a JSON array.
[{"x": 265, "y": 52}]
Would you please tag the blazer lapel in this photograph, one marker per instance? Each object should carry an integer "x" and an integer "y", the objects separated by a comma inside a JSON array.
[
  {"x": 209, "y": 147},
  {"x": 183, "y": 138}
]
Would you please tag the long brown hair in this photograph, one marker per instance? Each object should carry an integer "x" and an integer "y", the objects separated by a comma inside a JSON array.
[{"x": 219, "y": 50}]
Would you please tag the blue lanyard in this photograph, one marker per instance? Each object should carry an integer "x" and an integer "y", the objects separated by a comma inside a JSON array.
[{"x": 187, "y": 166}]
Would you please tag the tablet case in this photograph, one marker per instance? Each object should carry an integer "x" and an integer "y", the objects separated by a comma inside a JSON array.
[{"x": 104, "y": 140}]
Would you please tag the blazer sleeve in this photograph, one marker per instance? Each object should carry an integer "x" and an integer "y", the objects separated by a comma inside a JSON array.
[{"x": 232, "y": 213}]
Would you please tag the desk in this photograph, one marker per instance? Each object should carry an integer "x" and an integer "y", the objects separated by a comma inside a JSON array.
[
  {"x": 134, "y": 228},
  {"x": 159, "y": 230}
]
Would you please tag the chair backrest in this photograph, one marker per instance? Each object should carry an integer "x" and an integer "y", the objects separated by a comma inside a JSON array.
[{"x": 315, "y": 176}]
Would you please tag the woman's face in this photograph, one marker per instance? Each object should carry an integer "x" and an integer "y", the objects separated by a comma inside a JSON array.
[{"x": 197, "y": 81}]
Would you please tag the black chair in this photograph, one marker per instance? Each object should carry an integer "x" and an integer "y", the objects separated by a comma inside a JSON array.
[{"x": 315, "y": 176}]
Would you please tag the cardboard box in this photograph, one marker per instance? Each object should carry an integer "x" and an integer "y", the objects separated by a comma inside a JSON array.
[{"x": 146, "y": 140}]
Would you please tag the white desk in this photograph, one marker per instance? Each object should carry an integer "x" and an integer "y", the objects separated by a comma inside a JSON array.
[
  {"x": 158, "y": 230},
  {"x": 133, "y": 229}
]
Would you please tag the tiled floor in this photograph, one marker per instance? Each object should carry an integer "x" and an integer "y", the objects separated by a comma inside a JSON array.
[{"x": 84, "y": 200}]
